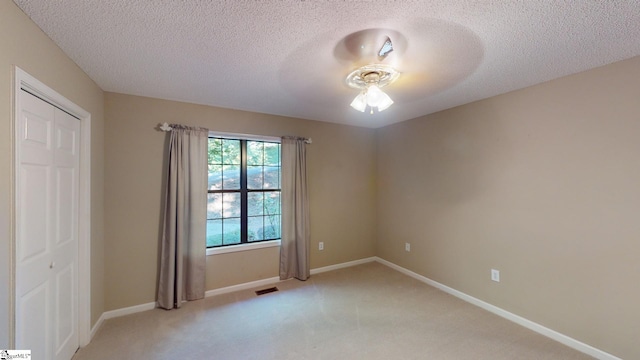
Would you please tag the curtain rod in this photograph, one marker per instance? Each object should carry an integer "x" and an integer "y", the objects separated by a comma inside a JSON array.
[
  {"x": 306, "y": 140},
  {"x": 166, "y": 127}
]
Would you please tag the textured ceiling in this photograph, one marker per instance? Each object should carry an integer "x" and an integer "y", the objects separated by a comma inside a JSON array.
[{"x": 290, "y": 58}]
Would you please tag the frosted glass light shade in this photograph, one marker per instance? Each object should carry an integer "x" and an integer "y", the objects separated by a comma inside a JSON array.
[
  {"x": 360, "y": 102},
  {"x": 384, "y": 102},
  {"x": 372, "y": 96},
  {"x": 368, "y": 80}
]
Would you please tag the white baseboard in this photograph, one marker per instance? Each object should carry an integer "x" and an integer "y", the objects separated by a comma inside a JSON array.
[
  {"x": 252, "y": 284},
  {"x": 273, "y": 280},
  {"x": 120, "y": 312},
  {"x": 97, "y": 326},
  {"x": 561, "y": 338},
  {"x": 343, "y": 265},
  {"x": 245, "y": 286},
  {"x": 129, "y": 310},
  {"x": 566, "y": 340}
]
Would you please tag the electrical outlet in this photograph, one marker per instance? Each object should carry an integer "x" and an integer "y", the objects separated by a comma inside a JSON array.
[
  {"x": 407, "y": 247},
  {"x": 495, "y": 275},
  {"x": 321, "y": 245}
]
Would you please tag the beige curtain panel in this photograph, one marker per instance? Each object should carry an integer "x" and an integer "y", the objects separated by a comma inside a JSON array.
[
  {"x": 183, "y": 246},
  {"x": 294, "y": 248}
]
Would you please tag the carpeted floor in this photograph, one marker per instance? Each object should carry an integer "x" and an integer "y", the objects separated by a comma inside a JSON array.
[{"x": 364, "y": 312}]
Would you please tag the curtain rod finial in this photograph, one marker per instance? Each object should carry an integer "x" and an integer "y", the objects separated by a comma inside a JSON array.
[{"x": 165, "y": 127}]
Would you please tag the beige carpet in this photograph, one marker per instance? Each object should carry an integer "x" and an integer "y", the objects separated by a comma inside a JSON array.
[{"x": 363, "y": 312}]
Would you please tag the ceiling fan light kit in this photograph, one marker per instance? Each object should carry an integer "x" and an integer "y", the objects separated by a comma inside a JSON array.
[{"x": 369, "y": 80}]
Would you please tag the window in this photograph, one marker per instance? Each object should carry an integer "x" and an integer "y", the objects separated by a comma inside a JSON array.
[{"x": 243, "y": 200}]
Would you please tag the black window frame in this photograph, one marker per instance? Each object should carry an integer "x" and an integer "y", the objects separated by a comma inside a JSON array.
[{"x": 244, "y": 191}]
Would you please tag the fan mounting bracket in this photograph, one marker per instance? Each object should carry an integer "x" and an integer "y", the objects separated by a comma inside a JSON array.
[{"x": 378, "y": 74}]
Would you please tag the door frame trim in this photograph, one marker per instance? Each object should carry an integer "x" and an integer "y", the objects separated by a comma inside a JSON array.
[{"x": 23, "y": 80}]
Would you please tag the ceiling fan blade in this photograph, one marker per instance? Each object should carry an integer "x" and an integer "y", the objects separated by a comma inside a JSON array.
[{"x": 386, "y": 48}]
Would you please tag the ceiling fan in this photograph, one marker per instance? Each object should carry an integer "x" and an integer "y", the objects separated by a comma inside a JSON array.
[{"x": 370, "y": 78}]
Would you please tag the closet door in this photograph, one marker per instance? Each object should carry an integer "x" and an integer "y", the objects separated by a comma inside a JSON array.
[{"x": 47, "y": 230}]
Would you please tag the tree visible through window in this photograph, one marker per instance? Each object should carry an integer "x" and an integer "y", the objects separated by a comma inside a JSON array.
[{"x": 243, "y": 200}]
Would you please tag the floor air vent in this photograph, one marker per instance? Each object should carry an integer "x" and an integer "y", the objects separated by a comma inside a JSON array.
[{"x": 266, "y": 291}]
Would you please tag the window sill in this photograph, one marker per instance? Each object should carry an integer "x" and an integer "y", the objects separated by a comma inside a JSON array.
[{"x": 243, "y": 247}]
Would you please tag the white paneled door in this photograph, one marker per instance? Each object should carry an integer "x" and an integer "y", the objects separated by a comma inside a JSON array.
[{"x": 47, "y": 230}]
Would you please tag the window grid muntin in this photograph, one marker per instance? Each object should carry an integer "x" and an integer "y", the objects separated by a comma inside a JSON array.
[{"x": 273, "y": 218}]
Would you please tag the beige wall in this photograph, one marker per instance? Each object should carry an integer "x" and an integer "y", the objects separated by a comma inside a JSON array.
[
  {"x": 341, "y": 170},
  {"x": 542, "y": 184},
  {"x": 23, "y": 44}
]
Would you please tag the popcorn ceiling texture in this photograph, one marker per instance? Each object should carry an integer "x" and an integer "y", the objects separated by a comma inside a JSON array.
[{"x": 291, "y": 57}]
